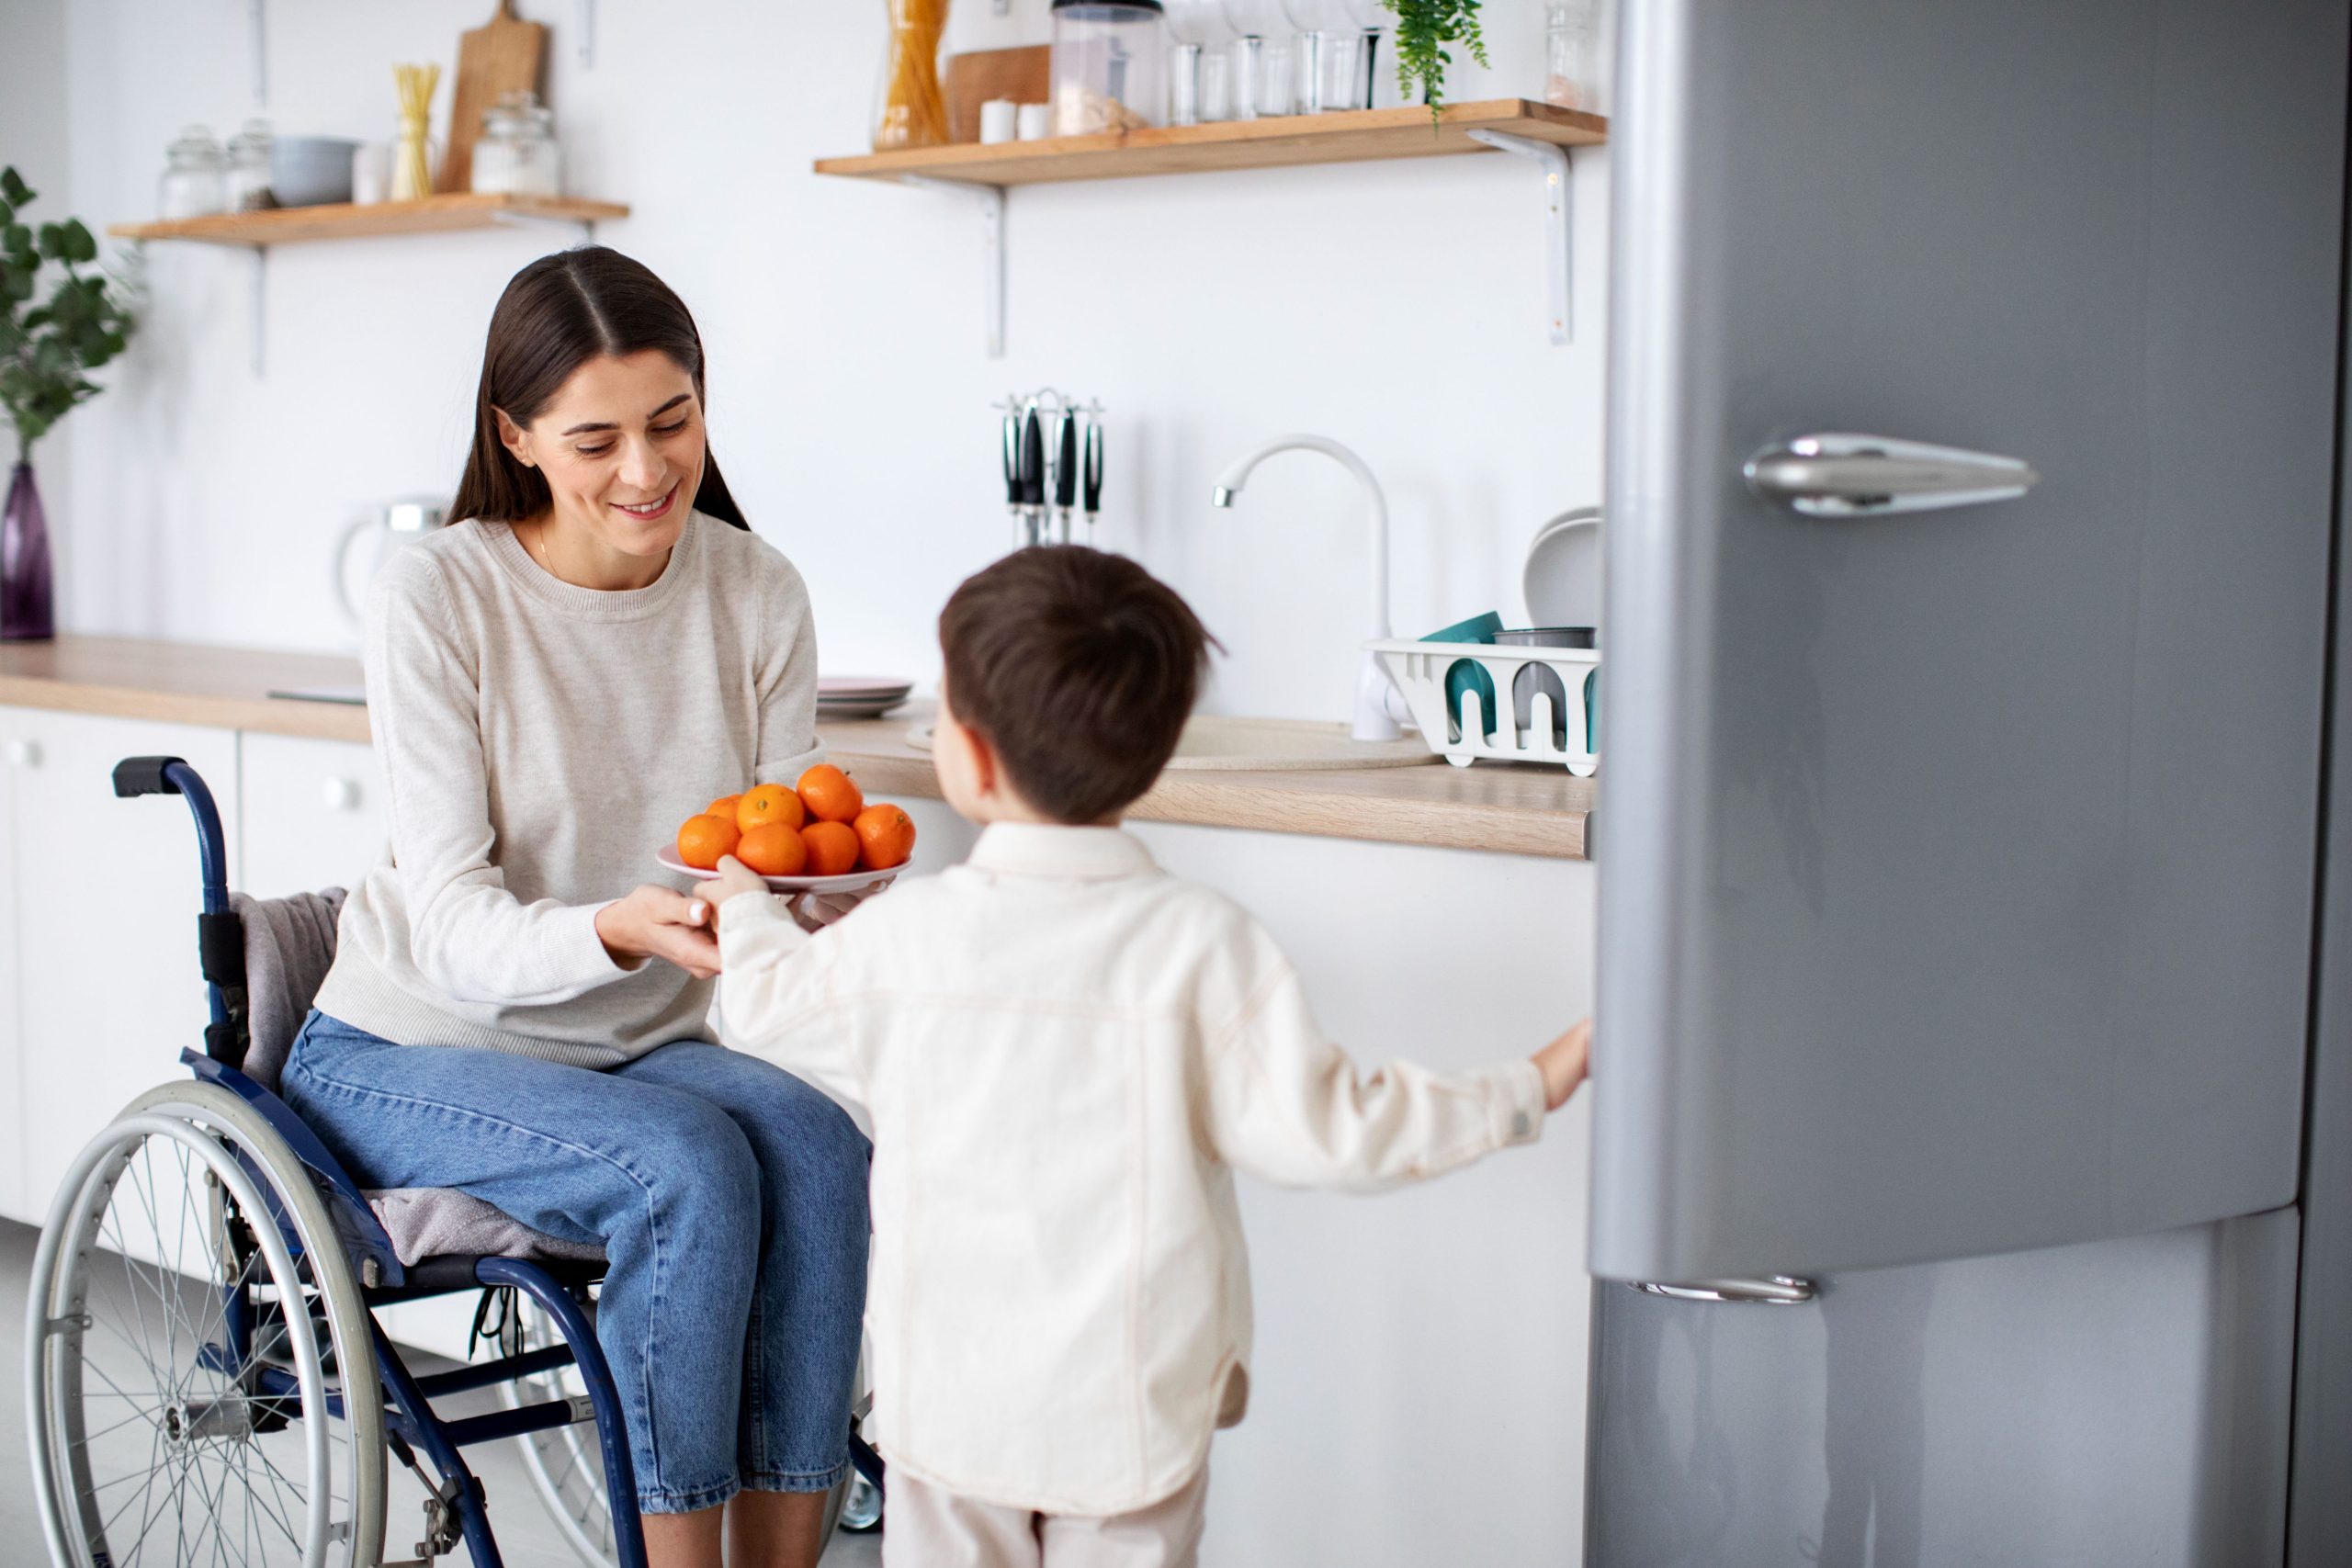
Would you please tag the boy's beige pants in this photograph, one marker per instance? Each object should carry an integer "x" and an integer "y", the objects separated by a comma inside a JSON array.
[{"x": 927, "y": 1527}]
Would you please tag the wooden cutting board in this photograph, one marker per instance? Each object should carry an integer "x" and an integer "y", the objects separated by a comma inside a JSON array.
[
  {"x": 1025, "y": 75},
  {"x": 500, "y": 56}
]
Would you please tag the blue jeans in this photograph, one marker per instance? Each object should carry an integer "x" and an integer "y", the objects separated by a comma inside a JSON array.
[{"x": 729, "y": 1198}]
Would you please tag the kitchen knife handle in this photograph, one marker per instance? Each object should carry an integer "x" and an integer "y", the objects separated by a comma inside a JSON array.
[
  {"x": 1013, "y": 459},
  {"x": 1066, "y": 463},
  {"x": 1093, "y": 467},
  {"x": 1033, "y": 460}
]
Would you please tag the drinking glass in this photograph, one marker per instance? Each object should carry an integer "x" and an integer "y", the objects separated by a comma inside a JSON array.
[
  {"x": 1263, "y": 56},
  {"x": 1198, "y": 91},
  {"x": 1326, "y": 37},
  {"x": 1363, "y": 64}
]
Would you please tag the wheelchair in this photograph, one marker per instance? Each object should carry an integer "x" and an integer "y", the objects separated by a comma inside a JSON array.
[{"x": 204, "y": 1371}]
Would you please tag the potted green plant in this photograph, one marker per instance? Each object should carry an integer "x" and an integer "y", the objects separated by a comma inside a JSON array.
[
  {"x": 48, "y": 347},
  {"x": 1423, "y": 30}
]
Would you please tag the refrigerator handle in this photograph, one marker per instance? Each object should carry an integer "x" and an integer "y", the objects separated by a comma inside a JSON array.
[
  {"x": 1776, "y": 1289},
  {"x": 1840, "y": 474}
]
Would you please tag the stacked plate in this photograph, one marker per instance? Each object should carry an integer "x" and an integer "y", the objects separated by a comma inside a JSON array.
[{"x": 859, "y": 696}]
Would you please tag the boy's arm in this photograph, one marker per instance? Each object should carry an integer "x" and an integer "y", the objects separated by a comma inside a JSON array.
[
  {"x": 1288, "y": 1105},
  {"x": 775, "y": 993}
]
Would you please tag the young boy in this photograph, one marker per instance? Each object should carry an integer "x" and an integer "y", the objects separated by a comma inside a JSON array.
[{"x": 1062, "y": 1054}]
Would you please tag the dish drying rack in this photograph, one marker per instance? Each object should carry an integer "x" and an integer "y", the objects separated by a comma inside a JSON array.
[{"x": 1419, "y": 668}]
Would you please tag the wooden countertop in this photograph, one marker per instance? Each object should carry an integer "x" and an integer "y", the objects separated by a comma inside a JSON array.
[{"x": 1504, "y": 808}]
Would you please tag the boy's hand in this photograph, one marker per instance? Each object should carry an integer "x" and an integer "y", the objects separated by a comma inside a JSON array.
[
  {"x": 1563, "y": 1064},
  {"x": 731, "y": 878}
]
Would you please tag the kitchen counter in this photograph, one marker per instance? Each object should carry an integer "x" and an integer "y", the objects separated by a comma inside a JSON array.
[{"x": 1505, "y": 808}]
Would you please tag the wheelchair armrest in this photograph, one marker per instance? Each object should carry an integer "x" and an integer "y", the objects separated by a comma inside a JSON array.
[{"x": 144, "y": 776}]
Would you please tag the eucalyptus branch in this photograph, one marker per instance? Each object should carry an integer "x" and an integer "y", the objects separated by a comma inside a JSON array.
[{"x": 47, "y": 350}]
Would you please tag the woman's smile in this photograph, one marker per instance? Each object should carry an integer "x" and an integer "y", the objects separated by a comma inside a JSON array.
[{"x": 647, "y": 510}]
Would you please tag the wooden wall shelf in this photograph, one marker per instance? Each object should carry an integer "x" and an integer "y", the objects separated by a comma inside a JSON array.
[
  {"x": 433, "y": 215},
  {"x": 1536, "y": 131},
  {"x": 1353, "y": 137}
]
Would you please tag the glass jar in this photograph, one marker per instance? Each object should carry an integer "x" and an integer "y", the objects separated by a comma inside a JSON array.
[
  {"x": 516, "y": 153},
  {"x": 195, "y": 182},
  {"x": 1110, "y": 66},
  {"x": 247, "y": 187},
  {"x": 1572, "y": 54},
  {"x": 912, "y": 112}
]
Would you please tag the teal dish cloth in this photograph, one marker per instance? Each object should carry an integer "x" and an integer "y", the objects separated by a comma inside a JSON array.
[{"x": 1468, "y": 674}]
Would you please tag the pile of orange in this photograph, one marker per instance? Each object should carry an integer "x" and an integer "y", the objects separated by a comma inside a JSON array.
[{"x": 822, "y": 827}]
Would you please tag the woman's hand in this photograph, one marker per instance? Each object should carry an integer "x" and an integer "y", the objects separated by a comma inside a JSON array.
[
  {"x": 654, "y": 922},
  {"x": 1563, "y": 1064}
]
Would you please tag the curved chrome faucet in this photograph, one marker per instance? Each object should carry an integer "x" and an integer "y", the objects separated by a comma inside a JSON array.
[{"x": 1374, "y": 719}]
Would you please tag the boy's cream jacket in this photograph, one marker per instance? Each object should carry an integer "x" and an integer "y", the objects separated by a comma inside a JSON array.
[{"x": 1062, "y": 1054}]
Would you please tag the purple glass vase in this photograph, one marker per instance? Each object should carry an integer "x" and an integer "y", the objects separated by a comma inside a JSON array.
[{"x": 26, "y": 608}]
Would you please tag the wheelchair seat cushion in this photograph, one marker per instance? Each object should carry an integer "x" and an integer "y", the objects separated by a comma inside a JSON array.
[
  {"x": 289, "y": 945},
  {"x": 432, "y": 1221}
]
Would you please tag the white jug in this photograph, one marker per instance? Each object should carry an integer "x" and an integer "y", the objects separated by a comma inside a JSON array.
[{"x": 397, "y": 523}]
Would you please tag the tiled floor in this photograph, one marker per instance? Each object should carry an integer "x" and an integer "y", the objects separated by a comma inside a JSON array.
[{"x": 527, "y": 1537}]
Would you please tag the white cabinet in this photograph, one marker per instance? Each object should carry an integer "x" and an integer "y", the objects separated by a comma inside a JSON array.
[
  {"x": 106, "y": 894},
  {"x": 313, "y": 814}
]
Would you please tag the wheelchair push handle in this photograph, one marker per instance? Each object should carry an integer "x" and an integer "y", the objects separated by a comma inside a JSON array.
[{"x": 146, "y": 776}]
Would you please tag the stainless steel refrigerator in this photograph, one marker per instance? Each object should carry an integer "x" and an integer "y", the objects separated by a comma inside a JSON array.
[{"x": 1973, "y": 1169}]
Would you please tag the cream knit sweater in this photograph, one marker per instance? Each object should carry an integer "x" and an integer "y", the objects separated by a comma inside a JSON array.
[{"x": 540, "y": 742}]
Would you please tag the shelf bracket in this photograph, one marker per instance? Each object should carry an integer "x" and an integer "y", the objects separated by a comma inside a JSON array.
[
  {"x": 1559, "y": 232},
  {"x": 991, "y": 199}
]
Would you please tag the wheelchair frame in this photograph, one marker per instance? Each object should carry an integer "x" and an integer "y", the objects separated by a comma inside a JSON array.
[{"x": 411, "y": 1429}]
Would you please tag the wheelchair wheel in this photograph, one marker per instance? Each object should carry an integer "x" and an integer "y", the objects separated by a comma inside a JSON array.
[
  {"x": 567, "y": 1468},
  {"x": 195, "y": 1385}
]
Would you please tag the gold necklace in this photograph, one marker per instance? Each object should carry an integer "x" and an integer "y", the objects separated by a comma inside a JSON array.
[{"x": 538, "y": 538}]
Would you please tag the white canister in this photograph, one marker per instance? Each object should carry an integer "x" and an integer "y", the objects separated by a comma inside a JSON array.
[
  {"x": 999, "y": 120},
  {"x": 371, "y": 173},
  {"x": 1036, "y": 121}
]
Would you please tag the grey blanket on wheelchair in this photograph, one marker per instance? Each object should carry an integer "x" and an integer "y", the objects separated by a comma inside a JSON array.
[{"x": 289, "y": 945}]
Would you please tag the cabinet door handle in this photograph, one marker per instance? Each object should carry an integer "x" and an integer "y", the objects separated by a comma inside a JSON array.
[
  {"x": 341, "y": 794},
  {"x": 22, "y": 754}
]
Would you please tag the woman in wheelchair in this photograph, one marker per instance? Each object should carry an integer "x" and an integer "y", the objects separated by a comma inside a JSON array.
[{"x": 509, "y": 1011}]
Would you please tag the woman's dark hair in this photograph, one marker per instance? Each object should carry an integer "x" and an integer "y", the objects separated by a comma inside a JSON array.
[{"x": 555, "y": 315}]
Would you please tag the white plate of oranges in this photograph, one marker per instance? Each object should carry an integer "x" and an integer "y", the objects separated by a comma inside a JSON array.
[{"x": 818, "y": 836}]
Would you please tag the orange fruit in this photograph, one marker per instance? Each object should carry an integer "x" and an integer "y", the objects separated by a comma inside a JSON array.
[
  {"x": 886, "y": 835},
  {"x": 723, "y": 807},
  {"x": 702, "y": 840},
  {"x": 831, "y": 795},
  {"x": 768, "y": 803},
  {"x": 773, "y": 849},
  {"x": 832, "y": 848}
]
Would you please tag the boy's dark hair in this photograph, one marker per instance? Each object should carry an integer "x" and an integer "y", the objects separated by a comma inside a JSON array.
[{"x": 1080, "y": 668}]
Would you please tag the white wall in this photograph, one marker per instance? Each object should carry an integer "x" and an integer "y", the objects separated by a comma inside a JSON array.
[{"x": 1420, "y": 1396}]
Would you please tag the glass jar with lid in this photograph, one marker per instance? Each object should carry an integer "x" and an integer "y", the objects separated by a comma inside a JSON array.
[
  {"x": 1110, "y": 66},
  {"x": 517, "y": 155},
  {"x": 195, "y": 180},
  {"x": 248, "y": 187}
]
